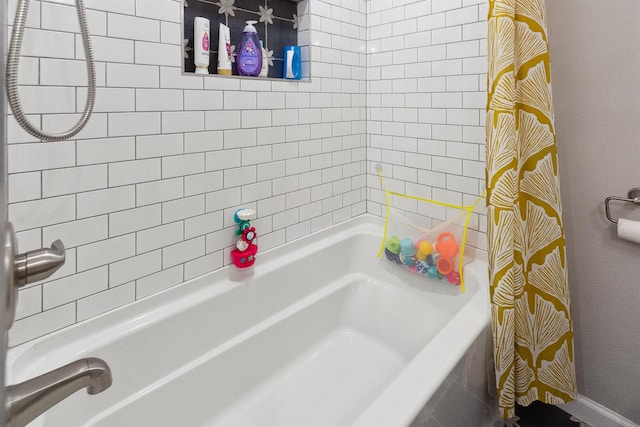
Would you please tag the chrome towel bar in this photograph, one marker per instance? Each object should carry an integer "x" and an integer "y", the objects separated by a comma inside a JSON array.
[{"x": 633, "y": 196}]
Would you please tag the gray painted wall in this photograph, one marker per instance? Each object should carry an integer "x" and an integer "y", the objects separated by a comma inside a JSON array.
[{"x": 595, "y": 62}]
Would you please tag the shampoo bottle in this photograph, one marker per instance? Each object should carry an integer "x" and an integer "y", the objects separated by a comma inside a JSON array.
[
  {"x": 249, "y": 53},
  {"x": 292, "y": 67},
  {"x": 201, "y": 45},
  {"x": 224, "y": 51}
]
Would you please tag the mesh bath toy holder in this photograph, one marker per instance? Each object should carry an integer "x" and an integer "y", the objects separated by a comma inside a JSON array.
[{"x": 434, "y": 248}]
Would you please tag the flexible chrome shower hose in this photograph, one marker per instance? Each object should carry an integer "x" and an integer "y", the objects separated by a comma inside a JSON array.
[{"x": 13, "y": 59}]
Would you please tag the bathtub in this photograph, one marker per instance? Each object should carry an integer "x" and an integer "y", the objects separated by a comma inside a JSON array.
[{"x": 319, "y": 333}]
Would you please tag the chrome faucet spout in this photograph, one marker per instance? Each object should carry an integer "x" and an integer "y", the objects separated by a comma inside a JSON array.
[{"x": 28, "y": 400}]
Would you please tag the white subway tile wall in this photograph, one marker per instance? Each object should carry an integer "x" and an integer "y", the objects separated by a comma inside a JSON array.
[
  {"x": 426, "y": 98},
  {"x": 144, "y": 196}
]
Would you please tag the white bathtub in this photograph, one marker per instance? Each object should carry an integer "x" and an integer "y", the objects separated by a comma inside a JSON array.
[{"x": 320, "y": 335}]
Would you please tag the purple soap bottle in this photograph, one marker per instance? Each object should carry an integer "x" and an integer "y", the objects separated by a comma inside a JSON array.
[{"x": 249, "y": 53}]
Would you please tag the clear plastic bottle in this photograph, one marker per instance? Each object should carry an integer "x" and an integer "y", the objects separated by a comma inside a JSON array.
[
  {"x": 249, "y": 61},
  {"x": 265, "y": 64}
]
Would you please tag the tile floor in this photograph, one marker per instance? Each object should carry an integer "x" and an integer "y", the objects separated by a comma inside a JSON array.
[{"x": 541, "y": 415}]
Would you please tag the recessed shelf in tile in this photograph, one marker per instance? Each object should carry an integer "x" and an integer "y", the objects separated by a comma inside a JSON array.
[{"x": 280, "y": 23}]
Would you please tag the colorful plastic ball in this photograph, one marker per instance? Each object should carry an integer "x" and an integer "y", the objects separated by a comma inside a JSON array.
[
  {"x": 432, "y": 272},
  {"x": 424, "y": 248},
  {"x": 407, "y": 260},
  {"x": 453, "y": 278},
  {"x": 390, "y": 255}
]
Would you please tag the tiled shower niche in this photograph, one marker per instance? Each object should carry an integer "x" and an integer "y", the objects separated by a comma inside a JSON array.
[{"x": 280, "y": 23}]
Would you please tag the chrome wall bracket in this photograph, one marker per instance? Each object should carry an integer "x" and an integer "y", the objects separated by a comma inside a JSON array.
[{"x": 633, "y": 196}]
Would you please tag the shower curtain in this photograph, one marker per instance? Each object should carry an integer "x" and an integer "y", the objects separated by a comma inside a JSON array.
[{"x": 532, "y": 330}]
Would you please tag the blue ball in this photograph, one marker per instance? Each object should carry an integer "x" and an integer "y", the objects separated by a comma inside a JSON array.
[
  {"x": 407, "y": 260},
  {"x": 432, "y": 271}
]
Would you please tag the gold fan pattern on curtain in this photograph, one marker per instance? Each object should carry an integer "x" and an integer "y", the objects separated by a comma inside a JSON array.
[{"x": 532, "y": 330}]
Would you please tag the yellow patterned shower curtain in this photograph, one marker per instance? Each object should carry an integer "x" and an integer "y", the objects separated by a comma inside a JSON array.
[{"x": 532, "y": 330}]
